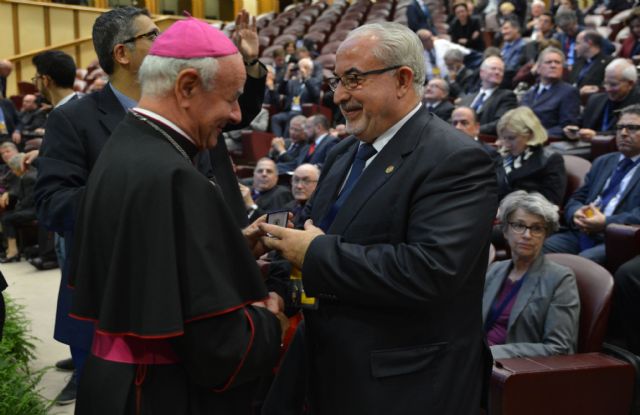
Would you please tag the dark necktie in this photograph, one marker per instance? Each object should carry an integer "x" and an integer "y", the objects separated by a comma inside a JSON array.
[
  {"x": 365, "y": 152},
  {"x": 540, "y": 92},
  {"x": 606, "y": 117},
  {"x": 607, "y": 194},
  {"x": 479, "y": 102}
]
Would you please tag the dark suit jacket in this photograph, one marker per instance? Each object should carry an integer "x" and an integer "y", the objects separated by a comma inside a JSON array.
[
  {"x": 444, "y": 110},
  {"x": 293, "y": 87},
  {"x": 273, "y": 199},
  {"x": 593, "y": 114},
  {"x": 628, "y": 209},
  {"x": 501, "y": 101},
  {"x": 417, "y": 19},
  {"x": 542, "y": 172},
  {"x": 398, "y": 279},
  {"x": 556, "y": 108},
  {"x": 291, "y": 158},
  {"x": 594, "y": 75},
  {"x": 320, "y": 154},
  {"x": 463, "y": 84},
  {"x": 10, "y": 118}
]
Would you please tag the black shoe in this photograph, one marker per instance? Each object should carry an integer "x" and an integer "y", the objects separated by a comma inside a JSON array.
[
  {"x": 68, "y": 394},
  {"x": 42, "y": 264},
  {"x": 15, "y": 258},
  {"x": 65, "y": 364}
]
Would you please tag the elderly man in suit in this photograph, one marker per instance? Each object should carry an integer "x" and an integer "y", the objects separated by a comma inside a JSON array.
[
  {"x": 491, "y": 102},
  {"x": 436, "y": 99},
  {"x": 77, "y": 132},
  {"x": 601, "y": 112},
  {"x": 610, "y": 194},
  {"x": 388, "y": 256},
  {"x": 588, "y": 72},
  {"x": 555, "y": 102}
]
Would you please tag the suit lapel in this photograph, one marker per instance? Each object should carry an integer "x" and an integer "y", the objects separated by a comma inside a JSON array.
[
  {"x": 382, "y": 168},
  {"x": 606, "y": 173},
  {"x": 632, "y": 183},
  {"x": 529, "y": 285},
  {"x": 110, "y": 108},
  {"x": 491, "y": 291}
]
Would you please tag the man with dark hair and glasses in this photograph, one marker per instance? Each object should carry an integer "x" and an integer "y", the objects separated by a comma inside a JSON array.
[
  {"x": 388, "y": 254},
  {"x": 610, "y": 194},
  {"x": 77, "y": 132}
]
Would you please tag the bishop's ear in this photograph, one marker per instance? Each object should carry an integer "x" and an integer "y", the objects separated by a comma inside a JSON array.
[{"x": 187, "y": 83}]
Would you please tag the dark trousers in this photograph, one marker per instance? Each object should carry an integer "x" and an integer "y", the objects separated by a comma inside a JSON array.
[
  {"x": 15, "y": 218},
  {"x": 625, "y": 313}
]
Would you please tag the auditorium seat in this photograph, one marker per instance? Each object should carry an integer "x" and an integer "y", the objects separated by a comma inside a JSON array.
[
  {"x": 284, "y": 39},
  {"x": 602, "y": 144},
  {"x": 347, "y": 25},
  {"x": 576, "y": 169},
  {"x": 25, "y": 88},
  {"x": 622, "y": 243},
  {"x": 331, "y": 47},
  {"x": 586, "y": 383},
  {"x": 339, "y": 34},
  {"x": 255, "y": 145},
  {"x": 327, "y": 60},
  {"x": 313, "y": 109}
]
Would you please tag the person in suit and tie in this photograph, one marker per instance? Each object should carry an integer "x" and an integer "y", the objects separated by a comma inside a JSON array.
[
  {"x": 77, "y": 132},
  {"x": 531, "y": 305},
  {"x": 419, "y": 17},
  {"x": 388, "y": 255},
  {"x": 436, "y": 99},
  {"x": 321, "y": 141},
  {"x": 289, "y": 153},
  {"x": 459, "y": 77},
  {"x": 610, "y": 194},
  {"x": 491, "y": 102},
  {"x": 555, "y": 102},
  {"x": 601, "y": 112}
]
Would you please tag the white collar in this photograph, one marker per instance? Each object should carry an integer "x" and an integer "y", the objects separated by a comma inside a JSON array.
[
  {"x": 66, "y": 99},
  {"x": 165, "y": 121}
]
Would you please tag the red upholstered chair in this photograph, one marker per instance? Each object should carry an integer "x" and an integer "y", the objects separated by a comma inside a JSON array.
[
  {"x": 328, "y": 61},
  {"x": 347, "y": 25},
  {"x": 316, "y": 37},
  {"x": 255, "y": 145},
  {"x": 295, "y": 29},
  {"x": 586, "y": 383},
  {"x": 25, "y": 88},
  {"x": 322, "y": 27},
  {"x": 268, "y": 52},
  {"x": 313, "y": 109},
  {"x": 603, "y": 144},
  {"x": 331, "y": 47},
  {"x": 284, "y": 39},
  {"x": 17, "y": 100},
  {"x": 270, "y": 31},
  {"x": 576, "y": 168},
  {"x": 622, "y": 243},
  {"x": 339, "y": 35}
]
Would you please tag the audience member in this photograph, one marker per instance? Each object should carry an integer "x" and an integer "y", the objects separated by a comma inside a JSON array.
[
  {"x": 528, "y": 165},
  {"x": 434, "y": 51},
  {"x": 555, "y": 102},
  {"x": 18, "y": 205},
  {"x": 303, "y": 53},
  {"x": 459, "y": 77},
  {"x": 587, "y": 73},
  {"x": 321, "y": 142},
  {"x": 567, "y": 21},
  {"x": 265, "y": 194},
  {"x": 289, "y": 154},
  {"x": 32, "y": 120},
  {"x": 609, "y": 7},
  {"x": 630, "y": 48},
  {"x": 425, "y": 284},
  {"x": 537, "y": 9},
  {"x": 601, "y": 112},
  {"x": 191, "y": 330},
  {"x": 298, "y": 88},
  {"x": 491, "y": 102},
  {"x": 6, "y": 67},
  {"x": 512, "y": 47},
  {"x": 610, "y": 194},
  {"x": 436, "y": 99},
  {"x": 531, "y": 305},
  {"x": 572, "y": 5},
  {"x": 279, "y": 66},
  {"x": 544, "y": 28},
  {"x": 465, "y": 29},
  {"x": 419, "y": 17},
  {"x": 303, "y": 183}
]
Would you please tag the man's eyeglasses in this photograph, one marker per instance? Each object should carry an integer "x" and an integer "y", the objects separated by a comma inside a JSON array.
[
  {"x": 151, "y": 35},
  {"x": 35, "y": 78},
  {"x": 305, "y": 181},
  {"x": 353, "y": 80},
  {"x": 534, "y": 230},
  {"x": 632, "y": 128}
]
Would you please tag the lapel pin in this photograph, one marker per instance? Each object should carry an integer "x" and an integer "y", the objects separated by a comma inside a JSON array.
[{"x": 389, "y": 169}]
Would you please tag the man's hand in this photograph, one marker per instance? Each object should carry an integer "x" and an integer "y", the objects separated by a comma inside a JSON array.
[
  {"x": 28, "y": 159},
  {"x": 245, "y": 191},
  {"x": 589, "y": 219},
  {"x": 292, "y": 243},
  {"x": 589, "y": 89},
  {"x": 4, "y": 200},
  {"x": 275, "y": 304},
  {"x": 16, "y": 137},
  {"x": 245, "y": 36},
  {"x": 571, "y": 131},
  {"x": 586, "y": 134},
  {"x": 278, "y": 145}
]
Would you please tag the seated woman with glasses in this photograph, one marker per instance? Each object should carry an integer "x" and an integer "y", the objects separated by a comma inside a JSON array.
[
  {"x": 527, "y": 164},
  {"x": 531, "y": 305}
]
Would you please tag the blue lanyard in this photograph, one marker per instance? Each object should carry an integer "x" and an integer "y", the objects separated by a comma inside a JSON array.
[{"x": 497, "y": 309}]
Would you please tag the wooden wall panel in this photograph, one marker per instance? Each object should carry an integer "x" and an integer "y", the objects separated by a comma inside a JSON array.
[
  {"x": 31, "y": 27},
  {"x": 87, "y": 55},
  {"x": 61, "y": 26},
  {"x": 6, "y": 31},
  {"x": 86, "y": 20}
]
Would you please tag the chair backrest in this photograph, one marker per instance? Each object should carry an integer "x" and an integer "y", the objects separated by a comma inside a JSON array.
[
  {"x": 595, "y": 285},
  {"x": 577, "y": 169}
]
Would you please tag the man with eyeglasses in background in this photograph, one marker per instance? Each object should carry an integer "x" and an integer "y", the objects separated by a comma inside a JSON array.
[
  {"x": 601, "y": 111},
  {"x": 388, "y": 253},
  {"x": 303, "y": 183},
  {"x": 436, "y": 99},
  {"x": 610, "y": 194},
  {"x": 77, "y": 132}
]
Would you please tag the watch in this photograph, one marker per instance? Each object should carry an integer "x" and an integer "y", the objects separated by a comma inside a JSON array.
[{"x": 251, "y": 62}]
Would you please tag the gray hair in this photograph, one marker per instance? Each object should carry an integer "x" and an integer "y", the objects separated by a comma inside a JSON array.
[
  {"x": 548, "y": 50},
  {"x": 8, "y": 144},
  {"x": 454, "y": 55},
  {"x": 565, "y": 17},
  {"x": 15, "y": 162},
  {"x": 534, "y": 204},
  {"x": 158, "y": 75},
  {"x": 624, "y": 67},
  {"x": 398, "y": 45}
]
